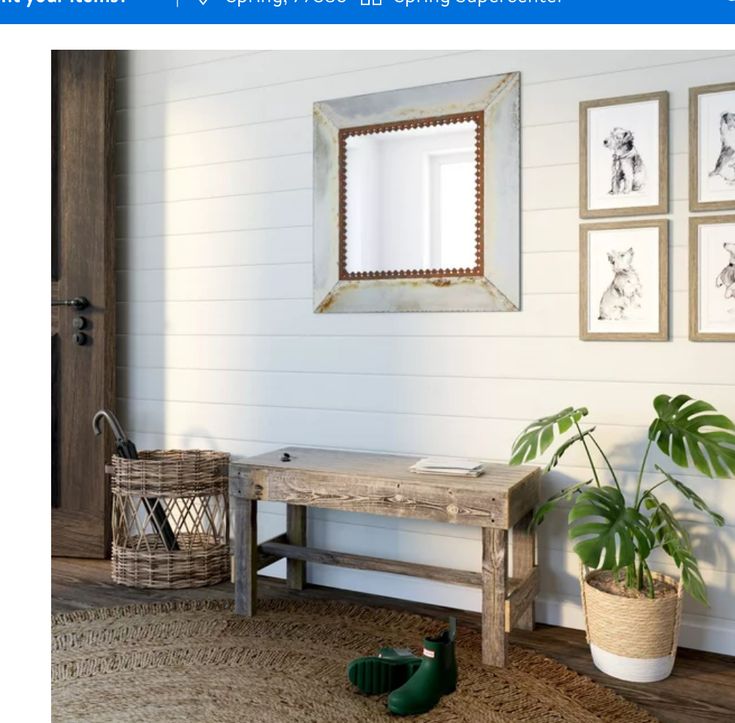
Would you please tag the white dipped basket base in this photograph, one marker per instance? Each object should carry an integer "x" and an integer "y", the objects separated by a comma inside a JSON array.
[{"x": 635, "y": 670}]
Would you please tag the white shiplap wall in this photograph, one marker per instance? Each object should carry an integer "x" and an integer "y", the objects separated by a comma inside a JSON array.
[{"x": 219, "y": 348}]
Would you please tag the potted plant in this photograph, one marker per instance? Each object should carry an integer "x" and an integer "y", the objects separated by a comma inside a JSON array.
[{"x": 632, "y": 613}]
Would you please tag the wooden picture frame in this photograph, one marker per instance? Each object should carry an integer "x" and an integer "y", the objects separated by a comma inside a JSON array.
[
  {"x": 707, "y": 152},
  {"x": 721, "y": 275},
  {"x": 621, "y": 164},
  {"x": 595, "y": 280}
]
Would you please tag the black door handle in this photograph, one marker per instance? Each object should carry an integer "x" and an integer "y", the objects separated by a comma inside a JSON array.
[{"x": 79, "y": 302}]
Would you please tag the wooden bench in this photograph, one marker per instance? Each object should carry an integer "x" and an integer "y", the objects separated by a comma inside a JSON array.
[{"x": 500, "y": 501}]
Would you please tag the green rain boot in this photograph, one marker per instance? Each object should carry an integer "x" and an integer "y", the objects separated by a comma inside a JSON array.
[
  {"x": 384, "y": 672},
  {"x": 436, "y": 676}
]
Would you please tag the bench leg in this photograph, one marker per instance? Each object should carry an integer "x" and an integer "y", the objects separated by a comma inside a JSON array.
[
  {"x": 246, "y": 555},
  {"x": 296, "y": 532},
  {"x": 524, "y": 553},
  {"x": 494, "y": 580}
]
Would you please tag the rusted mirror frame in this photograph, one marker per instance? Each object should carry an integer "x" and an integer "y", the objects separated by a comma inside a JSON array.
[
  {"x": 493, "y": 100},
  {"x": 344, "y": 133}
]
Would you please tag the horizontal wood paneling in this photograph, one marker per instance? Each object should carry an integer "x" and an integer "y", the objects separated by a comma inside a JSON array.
[
  {"x": 621, "y": 403},
  {"x": 279, "y": 173},
  {"x": 545, "y": 231},
  {"x": 541, "y": 145},
  {"x": 217, "y": 75},
  {"x": 149, "y": 62},
  {"x": 523, "y": 357},
  {"x": 216, "y": 146},
  {"x": 544, "y": 101},
  {"x": 542, "y": 274},
  {"x": 219, "y": 347},
  {"x": 167, "y": 81},
  {"x": 552, "y": 144},
  {"x": 294, "y": 317},
  {"x": 294, "y": 172},
  {"x": 225, "y": 248},
  {"x": 284, "y": 209}
]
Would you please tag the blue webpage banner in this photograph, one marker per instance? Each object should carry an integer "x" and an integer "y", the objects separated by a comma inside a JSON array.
[{"x": 600, "y": 12}]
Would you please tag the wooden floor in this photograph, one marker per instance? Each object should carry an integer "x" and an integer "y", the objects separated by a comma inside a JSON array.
[{"x": 702, "y": 687}]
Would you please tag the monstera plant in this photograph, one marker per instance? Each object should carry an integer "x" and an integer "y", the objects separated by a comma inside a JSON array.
[{"x": 617, "y": 530}]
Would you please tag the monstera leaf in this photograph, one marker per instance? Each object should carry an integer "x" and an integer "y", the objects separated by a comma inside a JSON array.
[
  {"x": 608, "y": 533},
  {"x": 693, "y": 497},
  {"x": 674, "y": 540},
  {"x": 566, "y": 494},
  {"x": 565, "y": 446},
  {"x": 536, "y": 438},
  {"x": 693, "y": 432}
]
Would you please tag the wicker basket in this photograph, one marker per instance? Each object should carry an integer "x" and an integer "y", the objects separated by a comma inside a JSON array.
[
  {"x": 632, "y": 639},
  {"x": 170, "y": 521}
]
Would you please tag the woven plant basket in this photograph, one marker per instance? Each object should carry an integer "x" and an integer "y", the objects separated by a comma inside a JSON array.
[
  {"x": 183, "y": 494},
  {"x": 632, "y": 639}
]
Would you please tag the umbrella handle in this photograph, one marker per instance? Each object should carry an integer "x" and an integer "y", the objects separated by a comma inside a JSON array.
[{"x": 115, "y": 426}]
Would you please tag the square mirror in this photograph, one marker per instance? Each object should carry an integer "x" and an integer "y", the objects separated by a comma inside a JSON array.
[
  {"x": 416, "y": 199},
  {"x": 411, "y": 201}
]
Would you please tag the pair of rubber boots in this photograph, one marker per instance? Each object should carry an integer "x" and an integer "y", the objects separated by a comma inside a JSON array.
[{"x": 416, "y": 684}]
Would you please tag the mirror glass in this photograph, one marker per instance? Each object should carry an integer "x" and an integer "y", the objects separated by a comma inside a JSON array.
[{"x": 410, "y": 200}]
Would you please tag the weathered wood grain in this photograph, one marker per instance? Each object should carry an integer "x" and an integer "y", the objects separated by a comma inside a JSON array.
[
  {"x": 521, "y": 592},
  {"x": 83, "y": 249},
  {"x": 524, "y": 557},
  {"x": 524, "y": 496},
  {"x": 246, "y": 555},
  {"x": 383, "y": 485},
  {"x": 362, "y": 562},
  {"x": 494, "y": 576},
  {"x": 296, "y": 534}
]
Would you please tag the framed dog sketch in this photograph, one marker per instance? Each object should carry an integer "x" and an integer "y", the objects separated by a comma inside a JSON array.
[
  {"x": 624, "y": 156},
  {"x": 624, "y": 280},
  {"x": 712, "y": 278},
  {"x": 712, "y": 147}
]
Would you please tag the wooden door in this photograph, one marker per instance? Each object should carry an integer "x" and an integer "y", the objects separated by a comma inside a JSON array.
[{"x": 83, "y": 265}]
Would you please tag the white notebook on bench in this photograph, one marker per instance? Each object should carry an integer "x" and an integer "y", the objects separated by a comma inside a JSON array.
[{"x": 448, "y": 465}]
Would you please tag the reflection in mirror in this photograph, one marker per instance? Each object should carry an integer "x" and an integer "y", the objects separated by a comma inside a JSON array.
[{"x": 410, "y": 199}]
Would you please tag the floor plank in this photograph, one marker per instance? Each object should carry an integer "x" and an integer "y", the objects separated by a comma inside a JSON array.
[{"x": 702, "y": 687}]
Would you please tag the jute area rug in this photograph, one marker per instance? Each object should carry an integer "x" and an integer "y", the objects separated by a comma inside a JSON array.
[{"x": 198, "y": 662}]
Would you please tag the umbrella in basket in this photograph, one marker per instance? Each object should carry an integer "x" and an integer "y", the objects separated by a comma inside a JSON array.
[{"x": 127, "y": 450}]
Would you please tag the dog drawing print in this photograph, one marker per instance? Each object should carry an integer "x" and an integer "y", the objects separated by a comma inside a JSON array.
[
  {"x": 726, "y": 277},
  {"x": 628, "y": 172},
  {"x": 725, "y": 166},
  {"x": 622, "y": 298}
]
